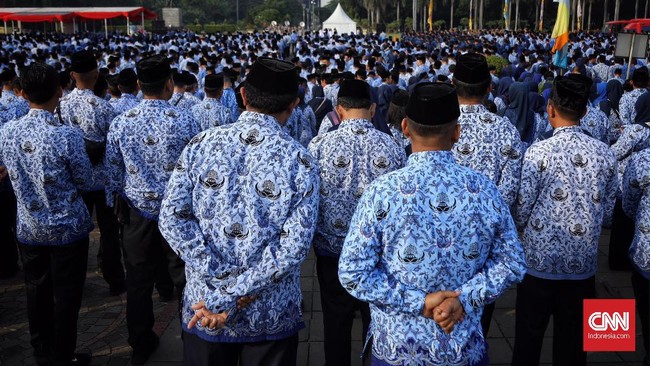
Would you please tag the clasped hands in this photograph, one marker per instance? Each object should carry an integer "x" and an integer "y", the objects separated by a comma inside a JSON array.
[
  {"x": 445, "y": 308},
  {"x": 212, "y": 320}
]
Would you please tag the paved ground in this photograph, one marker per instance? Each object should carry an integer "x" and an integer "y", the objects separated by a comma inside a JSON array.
[{"x": 102, "y": 327}]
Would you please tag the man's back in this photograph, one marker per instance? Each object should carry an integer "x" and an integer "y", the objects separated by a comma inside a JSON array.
[
  {"x": 253, "y": 192},
  {"x": 47, "y": 163},
  {"x": 438, "y": 226},
  {"x": 349, "y": 159},
  {"x": 143, "y": 146},
  {"x": 567, "y": 192},
  {"x": 490, "y": 144}
]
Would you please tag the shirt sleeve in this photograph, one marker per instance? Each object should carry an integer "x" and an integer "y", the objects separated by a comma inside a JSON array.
[
  {"x": 529, "y": 188},
  {"x": 277, "y": 260},
  {"x": 509, "y": 180},
  {"x": 631, "y": 190},
  {"x": 504, "y": 266},
  {"x": 360, "y": 270},
  {"x": 114, "y": 162},
  {"x": 79, "y": 163},
  {"x": 177, "y": 222},
  {"x": 610, "y": 190}
]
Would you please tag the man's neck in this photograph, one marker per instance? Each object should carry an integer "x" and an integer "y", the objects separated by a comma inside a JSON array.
[{"x": 469, "y": 101}]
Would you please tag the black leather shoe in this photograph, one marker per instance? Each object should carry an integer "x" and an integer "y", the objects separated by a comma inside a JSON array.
[
  {"x": 141, "y": 354},
  {"x": 81, "y": 359}
]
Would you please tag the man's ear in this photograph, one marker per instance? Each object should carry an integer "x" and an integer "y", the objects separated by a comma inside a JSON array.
[
  {"x": 405, "y": 128},
  {"x": 550, "y": 109},
  {"x": 456, "y": 135},
  {"x": 244, "y": 99},
  {"x": 373, "y": 108}
]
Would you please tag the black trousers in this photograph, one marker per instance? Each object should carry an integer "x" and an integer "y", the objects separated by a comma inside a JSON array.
[
  {"x": 54, "y": 281},
  {"x": 144, "y": 251},
  {"x": 641, "y": 287},
  {"x": 486, "y": 318},
  {"x": 8, "y": 244},
  {"x": 537, "y": 300},
  {"x": 198, "y": 352},
  {"x": 620, "y": 239},
  {"x": 338, "y": 313},
  {"x": 109, "y": 255}
]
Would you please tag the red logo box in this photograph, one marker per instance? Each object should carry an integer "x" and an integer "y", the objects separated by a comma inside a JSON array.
[{"x": 608, "y": 325}]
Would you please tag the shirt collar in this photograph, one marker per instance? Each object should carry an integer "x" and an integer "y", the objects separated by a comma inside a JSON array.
[
  {"x": 473, "y": 108},
  {"x": 83, "y": 91},
  {"x": 575, "y": 128},
  {"x": 155, "y": 103},
  {"x": 439, "y": 157},
  {"x": 42, "y": 115},
  {"x": 128, "y": 96},
  {"x": 262, "y": 119},
  {"x": 356, "y": 123}
]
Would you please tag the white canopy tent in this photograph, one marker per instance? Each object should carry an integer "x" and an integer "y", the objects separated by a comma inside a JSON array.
[{"x": 340, "y": 21}]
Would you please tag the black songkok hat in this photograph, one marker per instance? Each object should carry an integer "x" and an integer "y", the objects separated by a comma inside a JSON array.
[
  {"x": 83, "y": 61},
  {"x": 471, "y": 68},
  {"x": 574, "y": 89},
  {"x": 190, "y": 79},
  {"x": 274, "y": 76},
  {"x": 127, "y": 77},
  {"x": 153, "y": 69},
  {"x": 400, "y": 98},
  {"x": 7, "y": 75},
  {"x": 640, "y": 76},
  {"x": 433, "y": 104},
  {"x": 179, "y": 78},
  {"x": 112, "y": 81},
  {"x": 355, "y": 89},
  {"x": 214, "y": 81}
]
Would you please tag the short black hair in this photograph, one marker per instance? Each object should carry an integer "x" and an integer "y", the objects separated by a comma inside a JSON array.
[
  {"x": 153, "y": 89},
  {"x": 419, "y": 129},
  {"x": 40, "y": 83},
  {"x": 467, "y": 90},
  {"x": 570, "y": 108},
  {"x": 268, "y": 103},
  {"x": 354, "y": 103}
]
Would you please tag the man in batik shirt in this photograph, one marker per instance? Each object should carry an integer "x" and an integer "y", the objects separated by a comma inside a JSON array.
[
  {"x": 240, "y": 210},
  {"x": 423, "y": 231},
  {"x": 210, "y": 112},
  {"x": 349, "y": 158},
  {"x": 567, "y": 191}
]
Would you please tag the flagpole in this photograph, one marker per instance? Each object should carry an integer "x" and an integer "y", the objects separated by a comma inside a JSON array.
[
  {"x": 471, "y": 7},
  {"x": 541, "y": 16}
]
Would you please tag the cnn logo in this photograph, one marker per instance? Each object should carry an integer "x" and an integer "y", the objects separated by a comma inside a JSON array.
[
  {"x": 603, "y": 321},
  {"x": 609, "y": 325}
]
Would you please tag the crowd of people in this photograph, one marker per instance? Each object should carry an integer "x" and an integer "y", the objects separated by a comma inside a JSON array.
[{"x": 426, "y": 177}]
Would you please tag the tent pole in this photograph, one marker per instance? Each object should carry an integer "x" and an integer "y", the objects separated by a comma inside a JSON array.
[
  {"x": 20, "y": 26},
  {"x": 62, "y": 26},
  {"x": 74, "y": 26},
  {"x": 128, "y": 26},
  {"x": 142, "y": 18},
  {"x": 106, "y": 28}
]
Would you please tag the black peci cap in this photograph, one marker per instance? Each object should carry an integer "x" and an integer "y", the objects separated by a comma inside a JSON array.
[
  {"x": 213, "y": 82},
  {"x": 153, "y": 69},
  {"x": 472, "y": 68},
  {"x": 127, "y": 77},
  {"x": 573, "y": 88},
  {"x": 433, "y": 104},
  {"x": 83, "y": 61},
  {"x": 273, "y": 76},
  {"x": 355, "y": 89}
]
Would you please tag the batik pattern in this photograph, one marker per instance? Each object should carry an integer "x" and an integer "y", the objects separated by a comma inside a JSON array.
[
  {"x": 636, "y": 204},
  {"x": 433, "y": 225},
  {"x": 47, "y": 165},
  {"x": 211, "y": 113},
  {"x": 142, "y": 149},
  {"x": 567, "y": 191},
  {"x": 490, "y": 144},
  {"x": 241, "y": 211},
  {"x": 349, "y": 159}
]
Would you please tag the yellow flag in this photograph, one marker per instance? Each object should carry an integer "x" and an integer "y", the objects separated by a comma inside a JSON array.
[{"x": 430, "y": 20}]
